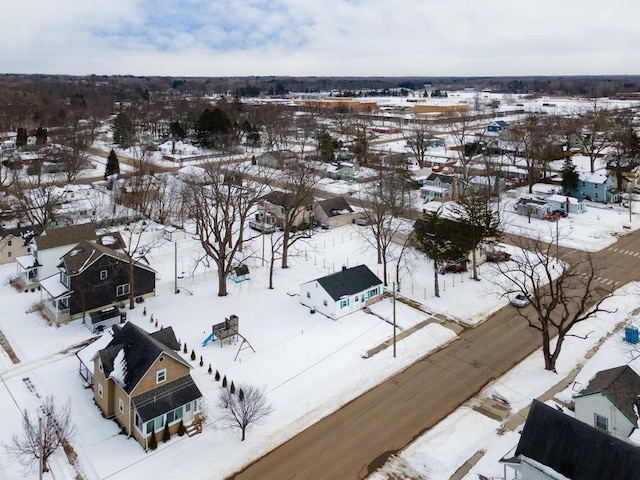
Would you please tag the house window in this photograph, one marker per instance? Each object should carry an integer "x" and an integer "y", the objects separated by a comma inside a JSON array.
[
  {"x": 324, "y": 302},
  {"x": 595, "y": 195},
  {"x": 602, "y": 422},
  {"x": 100, "y": 366},
  {"x": 187, "y": 407},
  {"x": 103, "y": 274},
  {"x": 122, "y": 290},
  {"x": 8, "y": 254},
  {"x": 149, "y": 428},
  {"x": 121, "y": 405},
  {"x": 159, "y": 422},
  {"x": 138, "y": 422},
  {"x": 100, "y": 392},
  {"x": 9, "y": 243},
  {"x": 161, "y": 375},
  {"x": 64, "y": 279},
  {"x": 308, "y": 295},
  {"x": 344, "y": 303},
  {"x": 195, "y": 405}
]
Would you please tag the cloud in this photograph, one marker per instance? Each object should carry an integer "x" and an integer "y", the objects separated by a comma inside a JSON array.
[{"x": 332, "y": 37}]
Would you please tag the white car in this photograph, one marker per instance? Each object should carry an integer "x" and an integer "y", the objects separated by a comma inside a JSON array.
[{"x": 520, "y": 300}]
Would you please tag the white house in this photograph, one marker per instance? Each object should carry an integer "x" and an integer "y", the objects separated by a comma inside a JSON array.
[
  {"x": 567, "y": 204},
  {"x": 342, "y": 292},
  {"x": 610, "y": 402}
]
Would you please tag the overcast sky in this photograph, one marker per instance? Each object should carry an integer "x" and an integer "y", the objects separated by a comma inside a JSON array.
[{"x": 321, "y": 37}]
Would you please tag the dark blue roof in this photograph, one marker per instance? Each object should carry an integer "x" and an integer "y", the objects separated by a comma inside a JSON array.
[
  {"x": 349, "y": 281},
  {"x": 168, "y": 397}
]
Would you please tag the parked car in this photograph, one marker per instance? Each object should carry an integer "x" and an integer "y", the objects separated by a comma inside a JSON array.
[
  {"x": 520, "y": 299},
  {"x": 454, "y": 267},
  {"x": 363, "y": 220},
  {"x": 498, "y": 256}
]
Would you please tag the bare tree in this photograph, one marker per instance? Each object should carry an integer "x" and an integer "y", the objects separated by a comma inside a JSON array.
[
  {"x": 36, "y": 201},
  {"x": 417, "y": 138},
  {"x": 561, "y": 294},
  {"x": 299, "y": 182},
  {"x": 593, "y": 131},
  {"x": 468, "y": 135},
  {"x": 387, "y": 198},
  {"x": 43, "y": 432},
  {"x": 220, "y": 211},
  {"x": 244, "y": 408}
]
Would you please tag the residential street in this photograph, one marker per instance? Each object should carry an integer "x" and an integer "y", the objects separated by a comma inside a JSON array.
[{"x": 357, "y": 439}]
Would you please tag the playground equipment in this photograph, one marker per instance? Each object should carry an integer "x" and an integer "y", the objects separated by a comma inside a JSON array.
[{"x": 227, "y": 329}]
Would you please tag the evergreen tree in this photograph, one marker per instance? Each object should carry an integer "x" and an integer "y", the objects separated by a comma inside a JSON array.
[
  {"x": 569, "y": 176},
  {"x": 113, "y": 165},
  {"x": 166, "y": 434},
  {"x": 224, "y": 382},
  {"x": 181, "y": 429},
  {"x": 325, "y": 147},
  {"x": 232, "y": 388},
  {"x": 41, "y": 136},
  {"x": 21, "y": 139},
  {"x": 193, "y": 355},
  {"x": 209, "y": 370},
  {"x": 241, "y": 395},
  {"x": 153, "y": 441},
  {"x": 123, "y": 131},
  {"x": 217, "y": 376}
]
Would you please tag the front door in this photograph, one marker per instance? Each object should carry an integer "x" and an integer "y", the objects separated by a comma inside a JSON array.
[{"x": 188, "y": 413}]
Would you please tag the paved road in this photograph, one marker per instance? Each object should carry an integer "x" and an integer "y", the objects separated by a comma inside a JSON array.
[{"x": 358, "y": 438}]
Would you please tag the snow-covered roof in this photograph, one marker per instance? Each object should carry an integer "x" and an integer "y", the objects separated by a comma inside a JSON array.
[
  {"x": 53, "y": 286},
  {"x": 564, "y": 199},
  {"x": 592, "y": 177}
]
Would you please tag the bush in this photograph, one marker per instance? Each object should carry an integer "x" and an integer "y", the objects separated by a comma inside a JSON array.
[
  {"x": 166, "y": 434},
  {"x": 181, "y": 429},
  {"x": 209, "y": 370},
  {"x": 185, "y": 347},
  {"x": 217, "y": 376},
  {"x": 224, "y": 382},
  {"x": 153, "y": 442},
  {"x": 193, "y": 355},
  {"x": 232, "y": 388},
  {"x": 201, "y": 361}
]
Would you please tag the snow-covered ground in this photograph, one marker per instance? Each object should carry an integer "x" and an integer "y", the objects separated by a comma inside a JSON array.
[{"x": 295, "y": 352}]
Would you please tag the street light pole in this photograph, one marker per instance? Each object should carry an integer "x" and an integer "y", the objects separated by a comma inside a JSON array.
[{"x": 557, "y": 239}]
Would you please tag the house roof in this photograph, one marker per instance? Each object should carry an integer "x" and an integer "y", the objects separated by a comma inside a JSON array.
[
  {"x": 335, "y": 206},
  {"x": 592, "y": 177},
  {"x": 573, "y": 448},
  {"x": 443, "y": 178},
  {"x": 140, "y": 350},
  {"x": 621, "y": 385},
  {"x": 283, "y": 199},
  {"x": 165, "y": 398},
  {"x": 70, "y": 235},
  {"x": 349, "y": 281},
  {"x": 26, "y": 234},
  {"x": 85, "y": 254}
]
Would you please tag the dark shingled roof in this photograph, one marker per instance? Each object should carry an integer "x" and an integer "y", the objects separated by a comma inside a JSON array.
[
  {"x": 284, "y": 199},
  {"x": 335, "y": 206},
  {"x": 575, "y": 449},
  {"x": 621, "y": 385},
  {"x": 86, "y": 253},
  {"x": 59, "y": 237},
  {"x": 168, "y": 397},
  {"x": 349, "y": 281},
  {"x": 141, "y": 349}
]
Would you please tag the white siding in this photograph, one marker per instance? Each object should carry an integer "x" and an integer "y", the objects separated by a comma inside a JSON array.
[{"x": 587, "y": 406}]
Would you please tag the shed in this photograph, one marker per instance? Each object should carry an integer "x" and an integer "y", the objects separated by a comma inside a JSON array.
[
  {"x": 105, "y": 318},
  {"x": 240, "y": 274}
]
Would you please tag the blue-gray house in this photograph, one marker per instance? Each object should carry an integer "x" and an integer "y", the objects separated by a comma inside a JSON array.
[{"x": 596, "y": 187}]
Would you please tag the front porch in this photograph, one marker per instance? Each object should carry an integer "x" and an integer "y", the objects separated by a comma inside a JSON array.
[
  {"x": 55, "y": 299},
  {"x": 27, "y": 271}
]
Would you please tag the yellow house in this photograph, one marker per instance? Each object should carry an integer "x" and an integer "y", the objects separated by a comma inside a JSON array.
[{"x": 143, "y": 384}]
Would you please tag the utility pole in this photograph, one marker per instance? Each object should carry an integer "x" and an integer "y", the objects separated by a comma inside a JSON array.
[
  {"x": 41, "y": 446},
  {"x": 175, "y": 268},
  {"x": 394, "y": 319}
]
